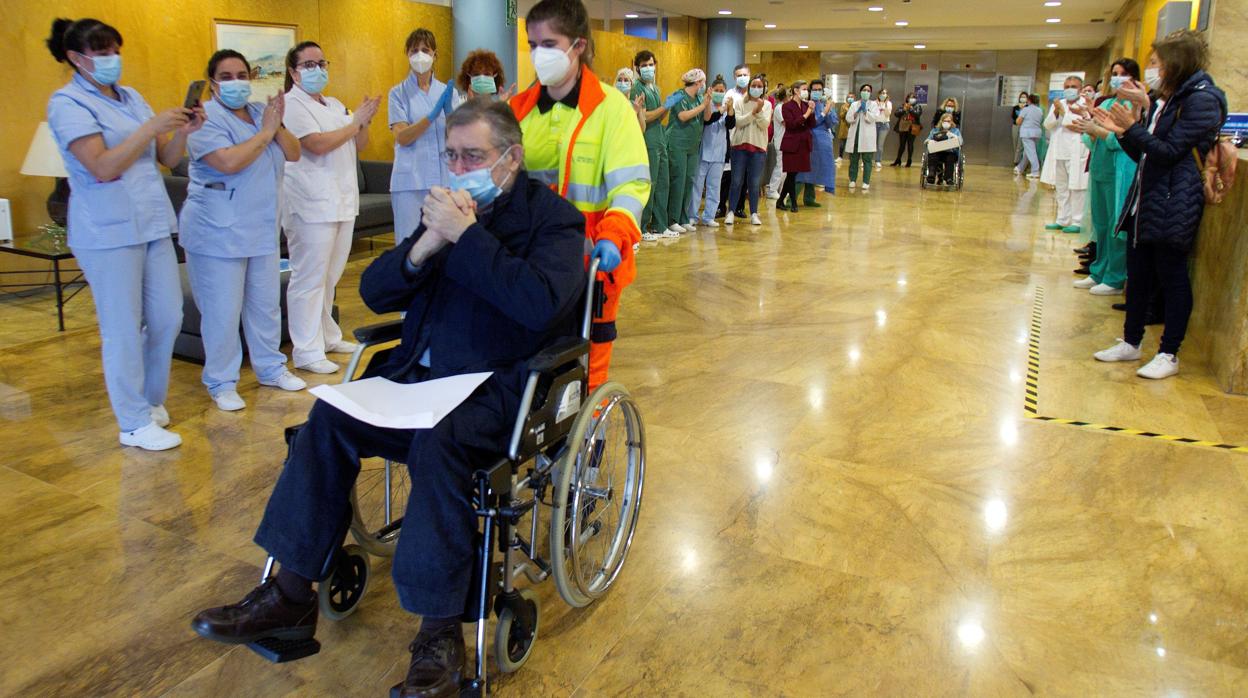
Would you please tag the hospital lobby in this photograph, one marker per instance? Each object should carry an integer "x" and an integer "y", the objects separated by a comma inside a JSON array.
[{"x": 878, "y": 419}]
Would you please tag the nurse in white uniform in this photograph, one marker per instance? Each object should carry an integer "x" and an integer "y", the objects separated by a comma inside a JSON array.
[
  {"x": 230, "y": 233},
  {"x": 418, "y": 109},
  {"x": 120, "y": 221},
  {"x": 321, "y": 198}
]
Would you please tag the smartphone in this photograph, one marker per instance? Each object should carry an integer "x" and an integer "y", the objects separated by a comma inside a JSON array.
[{"x": 195, "y": 94}]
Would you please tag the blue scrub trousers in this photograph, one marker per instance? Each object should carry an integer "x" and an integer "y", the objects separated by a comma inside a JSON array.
[
  {"x": 138, "y": 302},
  {"x": 233, "y": 290},
  {"x": 406, "y": 206},
  {"x": 708, "y": 177}
]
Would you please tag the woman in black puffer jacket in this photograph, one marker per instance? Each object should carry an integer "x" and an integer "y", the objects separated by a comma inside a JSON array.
[{"x": 1168, "y": 132}]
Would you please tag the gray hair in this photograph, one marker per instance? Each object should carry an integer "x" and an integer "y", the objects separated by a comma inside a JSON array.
[{"x": 504, "y": 129}]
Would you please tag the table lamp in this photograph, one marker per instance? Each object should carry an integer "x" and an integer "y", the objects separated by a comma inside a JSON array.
[{"x": 43, "y": 159}]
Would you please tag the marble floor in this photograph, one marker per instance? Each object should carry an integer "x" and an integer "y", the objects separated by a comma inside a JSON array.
[{"x": 843, "y": 496}]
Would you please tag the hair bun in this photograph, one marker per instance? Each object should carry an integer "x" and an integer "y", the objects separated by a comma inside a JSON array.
[{"x": 56, "y": 39}]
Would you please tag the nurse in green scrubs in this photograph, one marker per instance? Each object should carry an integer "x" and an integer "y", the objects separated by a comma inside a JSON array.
[
  {"x": 684, "y": 142},
  {"x": 645, "y": 94}
]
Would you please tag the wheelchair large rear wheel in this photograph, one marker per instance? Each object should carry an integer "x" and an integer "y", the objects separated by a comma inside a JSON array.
[
  {"x": 597, "y": 495},
  {"x": 377, "y": 505}
]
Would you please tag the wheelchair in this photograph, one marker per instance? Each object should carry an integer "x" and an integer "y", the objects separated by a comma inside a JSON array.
[
  {"x": 959, "y": 171},
  {"x": 581, "y": 456}
]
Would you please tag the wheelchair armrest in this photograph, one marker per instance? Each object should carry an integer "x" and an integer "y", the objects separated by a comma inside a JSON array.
[
  {"x": 561, "y": 353},
  {"x": 379, "y": 332}
]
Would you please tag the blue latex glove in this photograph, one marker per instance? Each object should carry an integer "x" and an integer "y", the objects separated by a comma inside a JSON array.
[
  {"x": 674, "y": 99},
  {"x": 442, "y": 105},
  {"x": 607, "y": 254}
]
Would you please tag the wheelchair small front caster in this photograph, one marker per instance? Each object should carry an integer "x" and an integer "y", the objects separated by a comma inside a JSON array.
[
  {"x": 516, "y": 631},
  {"x": 340, "y": 594}
]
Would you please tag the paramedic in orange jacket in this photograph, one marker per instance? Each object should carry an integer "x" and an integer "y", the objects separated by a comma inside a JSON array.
[{"x": 581, "y": 138}]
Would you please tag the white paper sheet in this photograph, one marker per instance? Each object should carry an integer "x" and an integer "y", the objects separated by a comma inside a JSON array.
[{"x": 384, "y": 403}]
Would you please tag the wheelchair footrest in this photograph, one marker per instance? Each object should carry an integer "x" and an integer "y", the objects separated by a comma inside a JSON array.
[{"x": 279, "y": 651}]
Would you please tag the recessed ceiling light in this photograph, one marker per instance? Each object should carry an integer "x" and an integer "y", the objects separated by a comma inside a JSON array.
[
  {"x": 1053, "y": 20},
  {"x": 875, "y": 8},
  {"x": 725, "y": 12},
  {"x": 769, "y": 26},
  {"x": 631, "y": 15},
  {"x": 802, "y": 46},
  {"x": 902, "y": 23},
  {"x": 1050, "y": 45},
  {"x": 1053, "y": 3},
  {"x": 920, "y": 45}
]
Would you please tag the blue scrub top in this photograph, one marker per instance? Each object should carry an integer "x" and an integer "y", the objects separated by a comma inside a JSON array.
[
  {"x": 418, "y": 165},
  {"x": 131, "y": 210},
  {"x": 239, "y": 217}
]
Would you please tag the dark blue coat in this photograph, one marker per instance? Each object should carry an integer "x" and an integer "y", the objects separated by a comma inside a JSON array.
[
  {"x": 1169, "y": 183},
  {"x": 511, "y": 286}
]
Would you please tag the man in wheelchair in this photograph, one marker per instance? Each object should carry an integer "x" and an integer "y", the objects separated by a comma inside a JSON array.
[{"x": 493, "y": 275}]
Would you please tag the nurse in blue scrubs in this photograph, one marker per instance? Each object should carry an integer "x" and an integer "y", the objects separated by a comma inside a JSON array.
[
  {"x": 418, "y": 109},
  {"x": 120, "y": 221},
  {"x": 230, "y": 232}
]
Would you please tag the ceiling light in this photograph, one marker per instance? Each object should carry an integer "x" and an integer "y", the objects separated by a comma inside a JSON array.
[
  {"x": 875, "y": 8},
  {"x": 1053, "y": 3},
  {"x": 802, "y": 46},
  {"x": 769, "y": 26},
  {"x": 1050, "y": 45},
  {"x": 902, "y": 23},
  {"x": 725, "y": 12},
  {"x": 1053, "y": 20},
  {"x": 920, "y": 45},
  {"x": 631, "y": 15}
]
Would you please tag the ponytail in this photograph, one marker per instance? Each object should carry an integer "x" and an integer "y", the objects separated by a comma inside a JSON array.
[
  {"x": 292, "y": 59},
  {"x": 80, "y": 36}
]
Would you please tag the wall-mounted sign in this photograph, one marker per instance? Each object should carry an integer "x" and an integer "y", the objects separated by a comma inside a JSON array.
[{"x": 920, "y": 93}]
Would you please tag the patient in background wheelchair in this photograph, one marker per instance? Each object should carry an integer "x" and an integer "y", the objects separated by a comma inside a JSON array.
[
  {"x": 491, "y": 277},
  {"x": 942, "y": 166}
]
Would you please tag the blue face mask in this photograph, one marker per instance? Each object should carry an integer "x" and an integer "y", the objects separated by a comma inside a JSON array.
[
  {"x": 624, "y": 87},
  {"x": 479, "y": 183},
  {"x": 756, "y": 92},
  {"x": 234, "y": 93},
  {"x": 1116, "y": 81},
  {"x": 314, "y": 79},
  {"x": 107, "y": 69},
  {"x": 817, "y": 95},
  {"x": 647, "y": 73},
  {"x": 483, "y": 84},
  {"x": 1071, "y": 94},
  {"x": 742, "y": 81}
]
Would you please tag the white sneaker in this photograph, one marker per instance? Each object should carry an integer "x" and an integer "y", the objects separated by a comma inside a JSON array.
[
  {"x": 838, "y": 161},
  {"x": 650, "y": 237},
  {"x": 773, "y": 195},
  {"x": 692, "y": 225},
  {"x": 1162, "y": 366},
  {"x": 865, "y": 186},
  {"x": 1016, "y": 172},
  {"x": 1104, "y": 290},
  {"x": 1085, "y": 282},
  {"x": 1121, "y": 351},
  {"x": 673, "y": 231},
  {"x": 1032, "y": 175},
  {"x": 729, "y": 218},
  {"x": 710, "y": 224},
  {"x": 322, "y": 366},
  {"x": 342, "y": 346},
  {"x": 160, "y": 415},
  {"x": 228, "y": 401},
  {"x": 150, "y": 438},
  {"x": 286, "y": 381},
  {"x": 878, "y": 166},
  {"x": 755, "y": 220}
]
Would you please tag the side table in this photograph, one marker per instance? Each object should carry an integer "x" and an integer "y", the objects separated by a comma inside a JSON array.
[{"x": 52, "y": 251}]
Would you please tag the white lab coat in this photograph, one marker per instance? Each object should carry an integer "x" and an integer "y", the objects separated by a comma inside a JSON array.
[
  {"x": 861, "y": 135},
  {"x": 1068, "y": 145}
]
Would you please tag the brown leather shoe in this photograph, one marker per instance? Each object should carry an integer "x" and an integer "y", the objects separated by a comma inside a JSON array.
[
  {"x": 264, "y": 612},
  {"x": 437, "y": 665}
]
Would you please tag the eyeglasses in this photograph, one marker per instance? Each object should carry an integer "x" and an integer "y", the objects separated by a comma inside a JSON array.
[
  {"x": 471, "y": 157},
  {"x": 310, "y": 65}
]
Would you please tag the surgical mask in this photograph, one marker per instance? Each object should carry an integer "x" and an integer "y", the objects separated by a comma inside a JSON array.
[
  {"x": 483, "y": 84},
  {"x": 624, "y": 87},
  {"x": 1022, "y": 101},
  {"x": 1070, "y": 94},
  {"x": 313, "y": 80},
  {"x": 865, "y": 94},
  {"x": 647, "y": 73},
  {"x": 756, "y": 92},
  {"x": 946, "y": 125},
  {"x": 234, "y": 93},
  {"x": 1152, "y": 78},
  {"x": 948, "y": 110},
  {"x": 701, "y": 89},
  {"x": 817, "y": 95},
  {"x": 883, "y": 96},
  {"x": 717, "y": 97},
  {"x": 421, "y": 62},
  {"x": 551, "y": 64},
  {"x": 1116, "y": 81},
  {"x": 804, "y": 94},
  {"x": 742, "y": 81},
  {"x": 107, "y": 69},
  {"x": 913, "y": 100},
  {"x": 479, "y": 183}
]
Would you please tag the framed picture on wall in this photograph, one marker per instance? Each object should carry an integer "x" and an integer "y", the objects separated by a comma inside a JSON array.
[{"x": 264, "y": 44}]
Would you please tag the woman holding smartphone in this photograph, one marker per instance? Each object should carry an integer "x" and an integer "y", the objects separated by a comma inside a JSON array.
[
  {"x": 121, "y": 219},
  {"x": 321, "y": 200},
  {"x": 230, "y": 233}
]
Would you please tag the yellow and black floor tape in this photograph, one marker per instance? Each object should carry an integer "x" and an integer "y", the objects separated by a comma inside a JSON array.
[{"x": 1031, "y": 393}]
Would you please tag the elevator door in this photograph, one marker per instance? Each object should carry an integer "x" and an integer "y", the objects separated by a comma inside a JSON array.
[
  {"x": 976, "y": 94},
  {"x": 892, "y": 80}
]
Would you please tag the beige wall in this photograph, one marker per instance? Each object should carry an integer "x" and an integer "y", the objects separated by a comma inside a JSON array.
[
  {"x": 787, "y": 66},
  {"x": 1229, "y": 60}
]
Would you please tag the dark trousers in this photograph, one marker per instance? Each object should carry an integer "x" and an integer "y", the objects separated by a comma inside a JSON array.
[
  {"x": 306, "y": 516},
  {"x": 1153, "y": 267},
  {"x": 907, "y": 145},
  {"x": 942, "y": 165},
  {"x": 788, "y": 190},
  {"x": 725, "y": 188}
]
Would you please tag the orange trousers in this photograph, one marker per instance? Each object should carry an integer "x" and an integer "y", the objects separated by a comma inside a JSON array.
[{"x": 600, "y": 352}]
